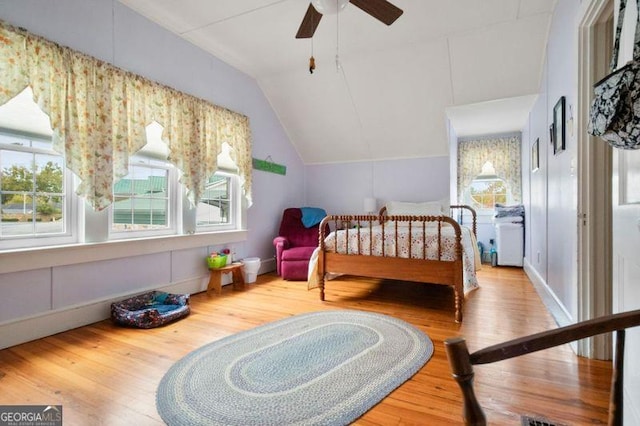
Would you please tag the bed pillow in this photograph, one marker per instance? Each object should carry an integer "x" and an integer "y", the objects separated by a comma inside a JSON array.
[
  {"x": 396, "y": 208},
  {"x": 445, "y": 204}
]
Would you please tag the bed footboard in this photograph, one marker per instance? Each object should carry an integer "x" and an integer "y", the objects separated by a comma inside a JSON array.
[{"x": 425, "y": 249}]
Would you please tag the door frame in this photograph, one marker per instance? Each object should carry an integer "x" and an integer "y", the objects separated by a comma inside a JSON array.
[{"x": 595, "y": 258}]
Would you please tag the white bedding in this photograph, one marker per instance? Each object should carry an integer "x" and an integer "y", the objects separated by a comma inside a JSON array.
[{"x": 470, "y": 254}]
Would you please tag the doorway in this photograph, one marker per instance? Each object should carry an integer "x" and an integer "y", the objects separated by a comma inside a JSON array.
[{"x": 594, "y": 184}]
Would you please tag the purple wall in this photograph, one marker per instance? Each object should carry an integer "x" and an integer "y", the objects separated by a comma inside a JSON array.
[{"x": 342, "y": 188}]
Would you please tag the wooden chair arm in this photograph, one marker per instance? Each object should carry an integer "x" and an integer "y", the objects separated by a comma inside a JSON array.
[
  {"x": 461, "y": 361},
  {"x": 556, "y": 337}
]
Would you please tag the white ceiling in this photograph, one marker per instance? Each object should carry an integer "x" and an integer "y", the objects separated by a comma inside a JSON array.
[{"x": 478, "y": 62}]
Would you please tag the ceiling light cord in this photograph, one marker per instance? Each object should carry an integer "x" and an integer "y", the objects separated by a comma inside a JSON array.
[
  {"x": 360, "y": 127},
  {"x": 338, "y": 66}
]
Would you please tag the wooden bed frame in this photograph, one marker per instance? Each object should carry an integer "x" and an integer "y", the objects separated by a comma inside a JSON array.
[{"x": 445, "y": 272}]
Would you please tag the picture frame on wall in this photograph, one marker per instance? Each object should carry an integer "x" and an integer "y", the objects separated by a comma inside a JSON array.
[
  {"x": 558, "y": 131},
  {"x": 535, "y": 155}
]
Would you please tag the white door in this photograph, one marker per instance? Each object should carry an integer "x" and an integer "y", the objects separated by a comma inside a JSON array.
[
  {"x": 626, "y": 242},
  {"x": 626, "y": 267}
]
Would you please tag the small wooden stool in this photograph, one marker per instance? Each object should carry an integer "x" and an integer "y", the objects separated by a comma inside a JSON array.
[{"x": 215, "y": 277}]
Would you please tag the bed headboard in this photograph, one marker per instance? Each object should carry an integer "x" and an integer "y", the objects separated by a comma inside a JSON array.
[{"x": 460, "y": 208}]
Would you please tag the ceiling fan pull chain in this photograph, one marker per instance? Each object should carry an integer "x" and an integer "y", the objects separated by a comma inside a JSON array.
[{"x": 312, "y": 60}]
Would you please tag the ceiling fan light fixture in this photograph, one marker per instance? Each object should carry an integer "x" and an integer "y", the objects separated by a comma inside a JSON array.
[{"x": 329, "y": 7}]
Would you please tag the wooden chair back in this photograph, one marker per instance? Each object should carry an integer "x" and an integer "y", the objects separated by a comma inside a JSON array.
[{"x": 462, "y": 362}]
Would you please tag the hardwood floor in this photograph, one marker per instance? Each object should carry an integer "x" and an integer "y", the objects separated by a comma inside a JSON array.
[{"x": 107, "y": 375}]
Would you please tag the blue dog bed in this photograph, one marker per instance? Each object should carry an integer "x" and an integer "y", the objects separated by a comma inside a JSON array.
[{"x": 150, "y": 310}]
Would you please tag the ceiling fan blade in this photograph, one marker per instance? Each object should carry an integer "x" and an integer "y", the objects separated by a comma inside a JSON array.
[
  {"x": 382, "y": 10},
  {"x": 309, "y": 23}
]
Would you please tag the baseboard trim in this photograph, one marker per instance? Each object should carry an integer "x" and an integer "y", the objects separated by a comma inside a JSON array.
[
  {"x": 549, "y": 299},
  {"x": 557, "y": 310},
  {"x": 267, "y": 265},
  {"x": 48, "y": 323}
]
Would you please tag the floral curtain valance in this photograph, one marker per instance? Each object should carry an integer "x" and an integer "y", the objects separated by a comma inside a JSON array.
[
  {"x": 504, "y": 154},
  {"x": 99, "y": 112}
]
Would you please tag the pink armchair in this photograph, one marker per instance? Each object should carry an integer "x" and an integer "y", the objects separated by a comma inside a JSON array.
[{"x": 295, "y": 242}]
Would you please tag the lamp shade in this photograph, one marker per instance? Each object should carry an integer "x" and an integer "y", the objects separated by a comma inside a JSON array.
[
  {"x": 370, "y": 205},
  {"x": 329, "y": 7}
]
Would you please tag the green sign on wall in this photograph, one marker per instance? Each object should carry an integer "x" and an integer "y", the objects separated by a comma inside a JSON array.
[{"x": 267, "y": 166}]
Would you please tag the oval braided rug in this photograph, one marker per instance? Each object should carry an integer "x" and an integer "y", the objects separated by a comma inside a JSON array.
[{"x": 321, "y": 368}]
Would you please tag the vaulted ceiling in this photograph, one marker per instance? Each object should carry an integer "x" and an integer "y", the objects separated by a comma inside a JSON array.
[{"x": 476, "y": 62}]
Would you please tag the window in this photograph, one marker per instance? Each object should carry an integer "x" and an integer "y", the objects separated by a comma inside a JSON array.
[
  {"x": 489, "y": 172},
  {"x": 148, "y": 200},
  {"x": 32, "y": 188},
  {"x": 214, "y": 208},
  {"x": 217, "y": 208},
  {"x": 142, "y": 198},
  {"x": 145, "y": 200},
  {"x": 38, "y": 205},
  {"x": 487, "y": 189},
  {"x": 485, "y": 193},
  {"x": 35, "y": 195}
]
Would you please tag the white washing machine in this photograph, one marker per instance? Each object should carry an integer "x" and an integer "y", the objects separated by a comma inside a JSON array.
[{"x": 510, "y": 244}]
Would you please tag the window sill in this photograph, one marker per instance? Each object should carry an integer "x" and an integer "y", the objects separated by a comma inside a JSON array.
[{"x": 47, "y": 257}]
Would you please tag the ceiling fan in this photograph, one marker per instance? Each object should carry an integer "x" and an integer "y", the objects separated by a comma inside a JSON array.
[{"x": 382, "y": 10}]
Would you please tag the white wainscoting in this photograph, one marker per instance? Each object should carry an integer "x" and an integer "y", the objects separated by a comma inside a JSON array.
[{"x": 87, "y": 311}]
